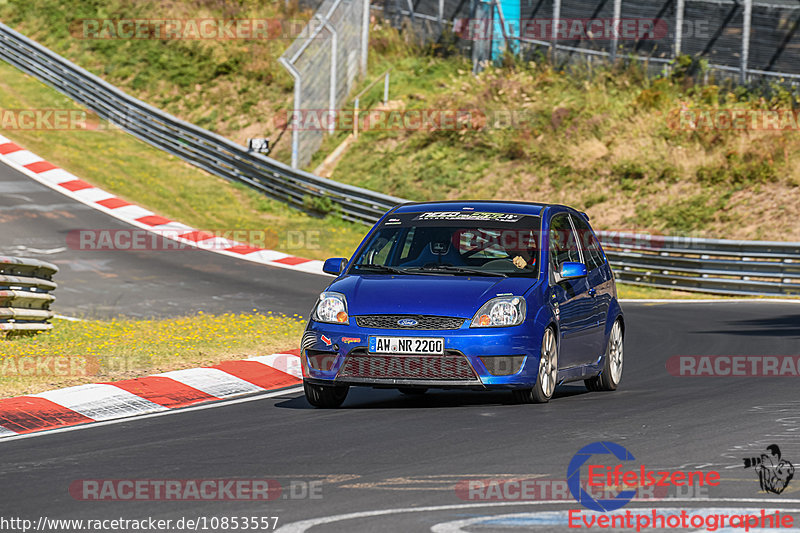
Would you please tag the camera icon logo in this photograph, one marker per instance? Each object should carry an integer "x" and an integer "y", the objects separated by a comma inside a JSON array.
[{"x": 774, "y": 472}]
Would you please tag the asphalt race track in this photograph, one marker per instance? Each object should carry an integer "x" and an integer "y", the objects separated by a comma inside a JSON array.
[
  {"x": 386, "y": 451},
  {"x": 381, "y": 450},
  {"x": 36, "y": 220}
]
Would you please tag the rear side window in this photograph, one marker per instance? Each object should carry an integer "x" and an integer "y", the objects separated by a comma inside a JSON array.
[
  {"x": 588, "y": 242},
  {"x": 563, "y": 246}
]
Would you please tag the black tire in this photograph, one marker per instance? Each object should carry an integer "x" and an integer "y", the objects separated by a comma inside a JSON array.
[
  {"x": 413, "y": 391},
  {"x": 611, "y": 374},
  {"x": 547, "y": 376},
  {"x": 325, "y": 396}
]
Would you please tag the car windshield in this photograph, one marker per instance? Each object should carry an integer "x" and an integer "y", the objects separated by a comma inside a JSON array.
[{"x": 453, "y": 243}]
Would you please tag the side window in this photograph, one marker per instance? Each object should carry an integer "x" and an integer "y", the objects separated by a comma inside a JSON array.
[
  {"x": 588, "y": 243},
  {"x": 563, "y": 246},
  {"x": 378, "y": 252}
]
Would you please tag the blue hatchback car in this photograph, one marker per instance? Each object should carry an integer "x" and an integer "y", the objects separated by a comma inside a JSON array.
[{"x": 467, "y": 295}]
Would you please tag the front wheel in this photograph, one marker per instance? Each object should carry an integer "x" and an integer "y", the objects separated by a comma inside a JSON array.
[
  {"x": 546, "y": 378},
  {"x": 325, "y": 396},
  {"x": 611, "y": 374}
]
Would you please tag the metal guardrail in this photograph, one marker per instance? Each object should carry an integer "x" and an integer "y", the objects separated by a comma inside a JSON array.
[
  {"x": 25, "y": 298},
  {"x": 198, "y": 146},
  {"x": 705, "y": 265}
]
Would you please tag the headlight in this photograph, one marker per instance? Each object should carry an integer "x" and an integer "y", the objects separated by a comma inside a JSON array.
[
  {"x": 498, "y": 312},
  {"x": 331, "y": 308}
]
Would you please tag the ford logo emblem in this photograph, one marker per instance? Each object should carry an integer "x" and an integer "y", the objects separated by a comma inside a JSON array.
[{"x": 407, "y": 322}]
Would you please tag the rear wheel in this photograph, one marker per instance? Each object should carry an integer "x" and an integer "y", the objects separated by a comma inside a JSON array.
[
  {"x": 545, "y": 385},
  {"x": 325, "y": 396},
  {"x": 611, "y": 374},
  {"x": 412, "y": 391}
]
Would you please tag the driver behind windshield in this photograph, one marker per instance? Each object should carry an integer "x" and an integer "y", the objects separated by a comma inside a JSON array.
[
  {"x": 434, "y": 246},
  {"x": 524, "y": 252}
]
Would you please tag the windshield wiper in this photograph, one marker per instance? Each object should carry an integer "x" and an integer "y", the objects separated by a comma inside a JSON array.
[
  {"x": 459, "y": 270},
  {"x": 389, "y": 269}
]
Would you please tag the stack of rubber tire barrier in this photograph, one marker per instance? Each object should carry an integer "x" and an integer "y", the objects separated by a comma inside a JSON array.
[{"x": 25, "y": 287}]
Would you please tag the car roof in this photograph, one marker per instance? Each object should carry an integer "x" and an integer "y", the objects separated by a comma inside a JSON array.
[{"x": 489, "y": 206}]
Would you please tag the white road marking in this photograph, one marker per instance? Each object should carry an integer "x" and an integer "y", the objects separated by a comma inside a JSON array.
[
  {"x": 305, "y": 525},
  {"x": 214, "y": 405},
  {"x": 23, "y": 157},
  {"x": 286, "y": 363},
  {"x": 561, "y": 518},
  {"x": 101, "y": 402},
  {"x": 69, "y": 318},
  {"x": 130, "y": 214},
  {"x": 212, "y": 381},
  {"x": 50, "y": 251}
]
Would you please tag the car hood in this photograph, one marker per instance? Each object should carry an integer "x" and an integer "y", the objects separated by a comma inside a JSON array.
[{"x": 459, "y": 296}]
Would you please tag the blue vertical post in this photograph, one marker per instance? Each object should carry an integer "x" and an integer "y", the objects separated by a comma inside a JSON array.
[{"x": 511, "y": 12}]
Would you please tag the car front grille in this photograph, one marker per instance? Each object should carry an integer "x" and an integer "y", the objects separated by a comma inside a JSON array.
[
  {"x": 427, "y": 322},
  {"x": 453, "y": 366}
]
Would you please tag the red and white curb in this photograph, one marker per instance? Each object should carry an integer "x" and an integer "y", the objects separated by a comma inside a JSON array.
[
  {"x": 98, "y": 402},
  {"x": 68, "y": 184}
]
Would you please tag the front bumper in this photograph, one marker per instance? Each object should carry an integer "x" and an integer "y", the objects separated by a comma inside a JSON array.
[{"x": 330, "y": 352}]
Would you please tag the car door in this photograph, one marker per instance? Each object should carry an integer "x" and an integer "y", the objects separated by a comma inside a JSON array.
[
  {"x": 600, "y": 284},
  {"x": 570, "y": 299}
]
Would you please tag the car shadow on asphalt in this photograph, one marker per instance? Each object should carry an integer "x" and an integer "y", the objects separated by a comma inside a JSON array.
[
  {"x": 366, "y": 398},
  {"x": 779, "y": 326}
]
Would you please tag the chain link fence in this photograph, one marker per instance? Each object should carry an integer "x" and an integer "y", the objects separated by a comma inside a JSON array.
[
  {"x": 746, "y": 40},
  {"x": 425, "y": 20},
  {"x": 325, "y": 61}
]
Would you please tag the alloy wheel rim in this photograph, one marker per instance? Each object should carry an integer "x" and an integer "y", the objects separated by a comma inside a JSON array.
[
  {"x": 615, "y": 352},
  {"x": 548, "y": 365}
]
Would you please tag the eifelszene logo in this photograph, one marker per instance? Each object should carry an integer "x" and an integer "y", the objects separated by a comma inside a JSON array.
[
  {"x": 574, "y": 477},
  {"x": 774, "y": 473},
  {"x": 614, "y": 477}
]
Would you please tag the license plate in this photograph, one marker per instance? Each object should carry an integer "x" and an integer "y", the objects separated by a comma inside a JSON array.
[{"x": 407, "y": 345}]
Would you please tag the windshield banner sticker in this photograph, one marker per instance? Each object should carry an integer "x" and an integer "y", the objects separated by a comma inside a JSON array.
[{"x": 460, "y": 215}]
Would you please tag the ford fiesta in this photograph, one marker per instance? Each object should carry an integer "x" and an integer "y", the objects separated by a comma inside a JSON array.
[{"x": 470, "y": 295}]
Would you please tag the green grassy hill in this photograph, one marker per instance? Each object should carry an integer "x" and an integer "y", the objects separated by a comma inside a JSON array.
[{"x": 600, "y": 141}]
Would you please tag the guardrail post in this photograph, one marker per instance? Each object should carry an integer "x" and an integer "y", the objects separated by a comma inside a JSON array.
[
  {"x": 411, "y": 10},
  {"x": 334, "y": 73},
  {"x": 365, "y": 38},
  {"x": 386, "y": 88},
  {"x": 615, "y": 39},
  {"x": 746, "y": 24},
  {"x": 554, "y": 37},
  {"x": 679, "y": 10},
  {"x": 298, "y": 95},
  {"x": 355, "y": 117}
]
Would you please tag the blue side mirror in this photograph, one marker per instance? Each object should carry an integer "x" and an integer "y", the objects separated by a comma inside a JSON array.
[
  {"x": 570, "y": 270},
  {"x": 334, "y": 265}
]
